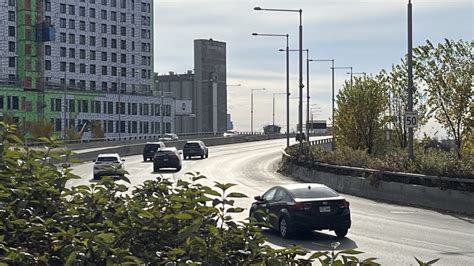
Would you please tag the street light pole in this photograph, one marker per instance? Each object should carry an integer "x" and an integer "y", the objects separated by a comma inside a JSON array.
[
  {"x": 332, "y": 84},
  {"x": 251, "y": 108},
  {"x": 300, "y": 107},
  {"x": 64, "y": 104},
  {"x": 287, "y": 81}
]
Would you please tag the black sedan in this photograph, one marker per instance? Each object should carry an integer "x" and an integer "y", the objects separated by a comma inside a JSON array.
[{"x": 302, "y": 207}]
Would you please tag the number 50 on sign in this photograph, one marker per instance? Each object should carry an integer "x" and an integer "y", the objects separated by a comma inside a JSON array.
[{"x": 411, "y": 119}]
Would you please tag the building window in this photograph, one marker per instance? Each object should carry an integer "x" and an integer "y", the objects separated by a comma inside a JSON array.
[
  {"x": 47, "y": 65},
  {"x": 92, "y": 13},
  {"x": 62, "y": 23},
  {"x": 72, "y": 10},
  {"x": 92, "y": 69},
  {"x": 62, "y": 8},
  {"x": 13, "y": 102},
  {"x": 11, "y": 16},
  {"x": 62, "y": 66},
  {"x": 82, "y": 11},
  {"x": 103, "y": 14},
  {"x": 103, "y": 42},
  {"x": 82, "y": 54},
  {"x": 47, "y": 50},
  {"x": 92, "y": 27},
  {"x": 123, "y": 3},
  {"x": 123, "y": 72},
  {"x": 114, "y": 57},
  {"x": 72, "y": 67},
  {"x": 104, "y": 70},
  {"x": 123, "y": 58},
  {"x": 11, "y": 31},
  {"x": 1, "y": 102},
  {"x": 72, "y": 24},
  {"x": 92, "y": 41},
  {"x": 123, "y": 44},
  {"x": 82, "y": 25},
  {"x": 72, "y": 38},
  {"x": 113, "y": 3},
  {"x": 104, "y": 86},
  {"x": 114, "y": 71},
  {"x": 113, "y": 16},
  {"x": 11, "y": 61},
  {"x": 92, "y": 55},
  {"x": 113, "y": 29},
  {"x": 103, "y": 56},
  {"x": 11, "y": 47},
  {"x": 72, "y": 53},
  {"x": 92, "y": 85},
  {"x": 103, "y": 28},
  {"x": 123, "y": 17},
  {"x": 123, "y": 31},
  {"x": 62, "y": 37},
  {"x": 113, "y": 43},
  {"x": 82, "y": 68},
  {"x": 11, "y": 2}
]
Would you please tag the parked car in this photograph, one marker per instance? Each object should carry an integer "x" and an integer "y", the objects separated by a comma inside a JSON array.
[
  {"x": 167, "y": 158},
  {"x": 108, "y": 164},
  {"x": 150, "y": 149},
  {"x": 300, "y": 207},
  {"x": 168, "y": 137},
  {"x": 195, "y": 148}
]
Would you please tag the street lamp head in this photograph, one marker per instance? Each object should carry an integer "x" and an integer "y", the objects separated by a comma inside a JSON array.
[
  {"x": 257, "y": 8},
  {"x": 254, "y": 34},
  {"x": 281, "y": 50}
]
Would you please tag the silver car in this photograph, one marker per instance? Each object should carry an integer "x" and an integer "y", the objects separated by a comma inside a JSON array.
[{"x": 108, "y": 164}]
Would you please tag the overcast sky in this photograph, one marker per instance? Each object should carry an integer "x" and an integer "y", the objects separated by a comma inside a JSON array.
[{"x": 368, "y": 35}]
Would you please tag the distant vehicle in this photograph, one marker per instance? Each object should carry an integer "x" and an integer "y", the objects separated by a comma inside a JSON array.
[
  {"x": 108, "y": 164},
  {"x": 195, "y": 148},
  {"x": 229, "y": 134},
  {"x": 168, "y": 137},
  {"x": 167, "y": 158},
  {"x": 150, "y": 149},
  {"x": 300, "y": 207}
]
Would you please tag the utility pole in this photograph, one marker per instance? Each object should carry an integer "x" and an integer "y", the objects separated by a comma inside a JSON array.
[{"x": 410, "y": 78}]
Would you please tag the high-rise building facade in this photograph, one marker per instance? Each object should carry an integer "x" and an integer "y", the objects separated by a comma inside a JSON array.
[
  {"x": 98, "y": 45},
  {"x": 71, "y": 61}
]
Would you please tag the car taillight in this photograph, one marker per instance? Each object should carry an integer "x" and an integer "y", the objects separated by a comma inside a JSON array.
[
  {"x": 300, "y": 206},
  {"x": 344, "y": 204}
]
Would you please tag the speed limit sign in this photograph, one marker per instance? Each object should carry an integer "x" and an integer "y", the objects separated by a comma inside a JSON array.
[{"x": 411, "y": 119}]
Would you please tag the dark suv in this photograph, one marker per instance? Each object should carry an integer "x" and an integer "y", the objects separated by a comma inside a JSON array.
[
  {"x": 150, "y": 149},
  {"x": 167, "y": 158},
  {"x": 195, "y": 148}
]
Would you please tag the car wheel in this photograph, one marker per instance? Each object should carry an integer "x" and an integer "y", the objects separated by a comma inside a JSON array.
[
  {"x": 207, "y": 155},
  {"x": 202, "y": 156},
  {"x": 178, "y": 168},
  {"x": 284, "y": 227},
  {"x": 156, "y": 169},
  {"x": 341, "y": 232}
]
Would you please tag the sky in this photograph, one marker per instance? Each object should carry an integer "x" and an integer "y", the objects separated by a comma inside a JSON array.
[{"x": 369, "y": 35}]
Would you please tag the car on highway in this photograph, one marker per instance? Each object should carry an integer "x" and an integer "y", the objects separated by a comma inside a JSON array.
[
  {"x": 169, "y": 137},
  {"x": 109, "y": 164},
  {"x": 150, "y": 149},
  {"x": 302, "y": 207},
  {"x": 167, "y": 158},
  {"x": 195, "y": 148},
  {"x": 229, "y": 134}
]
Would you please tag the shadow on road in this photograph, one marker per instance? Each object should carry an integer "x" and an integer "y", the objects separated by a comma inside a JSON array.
[
  {"x": 314, "y": 241},
  {"x": 166, "y": 171}
]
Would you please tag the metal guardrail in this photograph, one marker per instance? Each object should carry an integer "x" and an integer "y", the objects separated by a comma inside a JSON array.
[
  {"x": 144, "y": 137},
  {"x": 387, "y": 175}
]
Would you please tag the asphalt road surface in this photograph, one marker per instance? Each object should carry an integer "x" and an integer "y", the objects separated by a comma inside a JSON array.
[{"x": 394, "y": 234}]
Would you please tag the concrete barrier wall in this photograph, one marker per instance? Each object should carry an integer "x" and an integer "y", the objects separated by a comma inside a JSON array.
[
  {"x": 414, "y": 195},
  {"x": 136, "y": 149}
]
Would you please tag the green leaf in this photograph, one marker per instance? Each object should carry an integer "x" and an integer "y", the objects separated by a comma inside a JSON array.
[
  {"x": 318, "y": 254},
  {"x": 350, "y": 252},
  {"x": 183, "y": 216},
  {"x": 71, "y": 258},
  {"x": 236, "y": 195},
  {"x": 235, "y": 210},
  {"x": 224, "y": 187},
  {"x": 106, "y": 237}
]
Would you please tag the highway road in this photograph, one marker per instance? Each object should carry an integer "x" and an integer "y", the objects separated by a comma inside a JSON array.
[{"x": 394, "y": 234}]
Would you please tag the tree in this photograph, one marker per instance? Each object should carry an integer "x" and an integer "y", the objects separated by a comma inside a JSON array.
[
  {"x": 446, "y": 71},
  {"x": 41, "y": 128},
  {"x": 359, "y": 118},
  {"x": 96, "y": 130},
  {"x": 397, "y": 84}
]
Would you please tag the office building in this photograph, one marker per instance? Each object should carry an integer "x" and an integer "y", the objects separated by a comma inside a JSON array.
[{"x": 206, "y": 88}]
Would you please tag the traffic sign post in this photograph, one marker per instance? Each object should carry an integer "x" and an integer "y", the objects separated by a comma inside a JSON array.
[{"x": 411, "y": 119}]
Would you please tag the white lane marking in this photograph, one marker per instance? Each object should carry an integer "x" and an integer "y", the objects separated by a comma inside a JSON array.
[
  {"x": 403, "y": 212},
  {"x": 428, "y": 244}
]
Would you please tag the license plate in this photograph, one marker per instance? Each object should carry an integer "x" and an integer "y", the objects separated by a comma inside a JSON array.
[
  {"x": 165, "y": 159},
  {"x": 325, "y": 209}
]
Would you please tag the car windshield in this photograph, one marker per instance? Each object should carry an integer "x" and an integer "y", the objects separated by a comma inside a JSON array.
[
  {"x": 191, "y": 145},
  {"x": 107, "y": 159},
  {"x": 152, "y": 146},
  {"x": 168, "y": 136},
  {"x": 313, "y": 193},
  {"x": 165, "y": 152}
]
